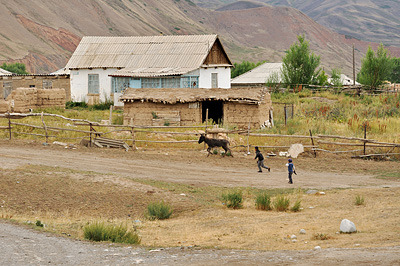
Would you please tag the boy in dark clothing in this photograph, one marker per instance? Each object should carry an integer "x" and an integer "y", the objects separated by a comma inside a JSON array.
[
  {"x": 260, "y": 162},
  {"x": 291, "y": 170}
]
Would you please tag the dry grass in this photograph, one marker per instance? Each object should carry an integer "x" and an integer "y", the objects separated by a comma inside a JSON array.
[{"x": 65, "y": 201}]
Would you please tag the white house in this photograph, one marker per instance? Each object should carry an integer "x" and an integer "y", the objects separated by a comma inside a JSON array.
[
  {"x": 102, "y": 67},
  {"x": 258, "y": 76}
]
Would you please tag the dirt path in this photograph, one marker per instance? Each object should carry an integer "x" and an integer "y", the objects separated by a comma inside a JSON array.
[
  {"x": 21, "y": 246},
  {"x": 190, "y": 168}
]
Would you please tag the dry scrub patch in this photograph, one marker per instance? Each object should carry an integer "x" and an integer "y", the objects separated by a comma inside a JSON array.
[{"x": 66, "y": 200}]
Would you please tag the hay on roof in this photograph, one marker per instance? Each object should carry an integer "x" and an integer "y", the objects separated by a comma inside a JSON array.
[{"x": 247, "y": 95}]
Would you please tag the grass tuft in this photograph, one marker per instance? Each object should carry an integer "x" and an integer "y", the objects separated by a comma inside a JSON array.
[
  {"x": 117, "y": 234},
  {"x": 159, "y": 211},
  {"x": 359, "y": 200},
  {"x": 281, "y": 203},
  {"x": 233, "y": 199},
  {"x": 263, "y": 201},
  {"x": 297, "y": 206}
]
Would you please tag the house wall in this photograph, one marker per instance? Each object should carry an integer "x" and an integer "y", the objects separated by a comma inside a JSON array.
[
  {"x": 240, "y": 114},
  {"x": 224, "y": 77},
  {"x": 141, "y": 113},
  {"x": 36, "y": 81},
  {"x": 79, "y": 85}
]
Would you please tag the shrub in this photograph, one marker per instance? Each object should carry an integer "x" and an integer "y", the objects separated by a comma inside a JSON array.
[
  {"x": 118, "y": 234},
  {"x": 39, "y": 223},
  {"x": 296, "y": 207},
  {"x": 233, "y": 199},
  {"x": 281, "y": 203},
  {"x": 263, "y": 201},
  {"x": 359, "y": 200},
  {"x": 159, "y": 211},
  {"x": 71, "y": 105},
  {"x": 215, "y": 152},
  {"x": 321, "y": 236}
]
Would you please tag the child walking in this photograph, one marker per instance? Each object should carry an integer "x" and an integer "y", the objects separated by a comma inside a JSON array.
[
  {"x": 291, "y": 170},
  {"x": 260, "y": 162}
]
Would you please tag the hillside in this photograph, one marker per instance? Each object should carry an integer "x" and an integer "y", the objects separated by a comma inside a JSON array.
[
  {"x": 375, "y": 21},
  {"x": 44, "y": 33}
]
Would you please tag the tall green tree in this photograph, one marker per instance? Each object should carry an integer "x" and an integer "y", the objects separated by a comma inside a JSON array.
[
  {"x": 300, "y": 64},
  {"x": 394, "y": 76},
  {"x": 375, "y": 68},
  {"x": 243, "y": 67},
  {"x": 17, "y": 68}
]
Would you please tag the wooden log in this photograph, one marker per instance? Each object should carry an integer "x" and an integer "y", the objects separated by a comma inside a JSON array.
[
  {"x": 178, "y": 141},
  {"x": 371, "y": 155},
  {"x": 357, "y": 144},
  {"x": 341, "y": 137},
  {"x": 282, "y": 136},
  {"x": 33, "y": 134},
  {"x": 338, "y": 151},
  {"x": 168, "y": 132}
]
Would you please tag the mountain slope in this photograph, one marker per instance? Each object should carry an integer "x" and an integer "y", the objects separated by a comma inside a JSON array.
[
  {"x": 374, "y": 21},
  {"x": 44, "y": 33}
]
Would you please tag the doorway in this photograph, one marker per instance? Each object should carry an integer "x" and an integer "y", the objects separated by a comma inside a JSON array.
[{"x": 215, "y": 111}]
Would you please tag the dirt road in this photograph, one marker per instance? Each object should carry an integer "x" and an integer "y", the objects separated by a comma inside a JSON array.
[
  {"x": 22, "y": 246},
  {"x": 190, "y": 167}
]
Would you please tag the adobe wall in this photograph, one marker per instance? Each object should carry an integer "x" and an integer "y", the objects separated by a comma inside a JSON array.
[
  {"x": 141, "y": 113},
  {"x": 22, "y": 99},
  {"x": 36, "y": 81},
  {"x": 240, "y": 114}
]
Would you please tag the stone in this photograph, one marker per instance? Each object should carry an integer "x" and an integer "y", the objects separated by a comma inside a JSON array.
[
  {"x": 293, "y": 237},
  {"x": 302, "y": 231},
  {"x": 295, "y": 150},
  {"x": 317, "y": 248},
  {"x": 347, "y": 226}
]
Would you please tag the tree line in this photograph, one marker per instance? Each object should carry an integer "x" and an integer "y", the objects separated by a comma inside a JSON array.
[{"x": 301, "y": 66}]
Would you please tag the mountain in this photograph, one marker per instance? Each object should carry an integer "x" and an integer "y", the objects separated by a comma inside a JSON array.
[
  {"x": 374, "y": 21},
  {"x": 44, "y": 33}
]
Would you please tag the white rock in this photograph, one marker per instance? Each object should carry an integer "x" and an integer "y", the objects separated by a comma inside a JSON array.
[
  {"x": 294, "y": 240},
  {"x": 293, "y": 237},
  {"x": 302, "y": 231},
  {"x": 60, "y": 143},
  {"x": 317, "y": 248},
  {"x": 322, "y": 193},
  {"x": 347, "y": 226}
]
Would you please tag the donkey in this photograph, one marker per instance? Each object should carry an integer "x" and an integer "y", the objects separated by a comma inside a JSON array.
[{"x": 215, "y": 143}]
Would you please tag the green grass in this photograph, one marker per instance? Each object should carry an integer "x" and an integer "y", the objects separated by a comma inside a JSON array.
[
  {"x": 158, "y": 211},
  {"x": 296, "y": 207},
  {"x": 263, "y": 201},
  {"x": 233, "y": 199},
  {"x": 98, "y": 231},
  {"x": 281, "y": 203},
  {"x": 359, "y": 200}
]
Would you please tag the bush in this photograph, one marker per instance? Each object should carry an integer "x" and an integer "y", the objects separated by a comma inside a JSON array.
[
  {"x": 233, "y": 199},
  {"x": 118, "y": 234},
  {"x": 321, "y": 236},
  {"x": 297, "y": 206},
  {"x": 281, "y": 203},
  {"x": 263, "y": 201},
  {"x": 71, "y": 105},
  {"x": 359, "y": 200},
  {"x": 159, "y": 211}
]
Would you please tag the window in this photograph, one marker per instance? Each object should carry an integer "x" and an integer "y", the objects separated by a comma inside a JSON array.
[
  {"x": 47, "y": 84},
  {"x": 151, "y": 83},
  {"x": 170, "y": 82},
  {"x": 7, "y": 88},
  {"x": 190, "y": 82},
  {"x": 93, "y": 83},
  {"x": 119, "y": 84},
  {"x": 214, "y": 80}
]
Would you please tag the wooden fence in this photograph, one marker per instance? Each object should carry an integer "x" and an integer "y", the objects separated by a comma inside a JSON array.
[{"x": 317, "y": 143}]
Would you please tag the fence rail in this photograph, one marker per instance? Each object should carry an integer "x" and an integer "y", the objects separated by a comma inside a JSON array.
[{"x": 317, "y": 143}]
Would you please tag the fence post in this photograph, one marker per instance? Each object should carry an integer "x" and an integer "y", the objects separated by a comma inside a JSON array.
[
  {"x": 90, "y": 134},
  {"x": 285, "y": 111},
  {"x": 45, "y": 128},
  {"x": 111, "y": 113},
  {"x": 292, "y": 110},
  {"x": 133, "y": 139},
  {"x": 365, "y": 136},
  {"x": 205, "y": 131},
  {"x": 9, "y": 123},
  {"x": 248, "y": 136},
  {"x": 312, "y": 142}
]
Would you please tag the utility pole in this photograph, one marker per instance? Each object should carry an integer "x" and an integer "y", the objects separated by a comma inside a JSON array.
[{"x": 354, "y": 68}]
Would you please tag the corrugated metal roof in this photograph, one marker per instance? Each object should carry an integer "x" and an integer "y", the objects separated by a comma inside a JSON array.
[
  {"x": 151, "y": 72},
  {"x": 185, "y": 51},
  {"x": 5, "y": 72},
  {"x": 259, "y": 75}
]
